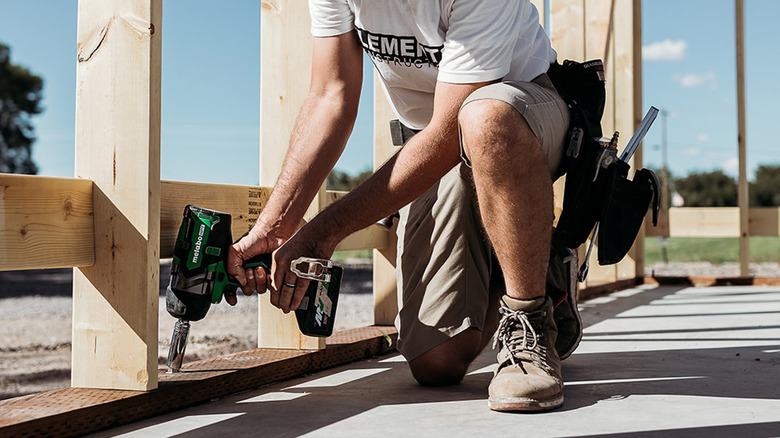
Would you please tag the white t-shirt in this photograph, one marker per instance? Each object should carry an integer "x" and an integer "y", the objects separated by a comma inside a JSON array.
[{"x": 415, "y": 43}]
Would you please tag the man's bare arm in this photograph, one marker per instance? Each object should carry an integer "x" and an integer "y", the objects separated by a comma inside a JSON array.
[{"x": 321, "y": 131}]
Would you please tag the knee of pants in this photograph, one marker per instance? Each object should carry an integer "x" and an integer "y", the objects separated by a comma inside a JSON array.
[{"x": 437, "y": 370}]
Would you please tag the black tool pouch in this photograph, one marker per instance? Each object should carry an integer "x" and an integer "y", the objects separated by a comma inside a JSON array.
[
  {"x": 597, "y": 188},
  {"x": 625, "y": 206},
  {"x": 583, "y": 196}
]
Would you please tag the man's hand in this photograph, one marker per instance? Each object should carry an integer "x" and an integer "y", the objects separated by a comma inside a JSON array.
[
  {"x": 287, "y": 289},
  {"x": 251, "y": 279}
]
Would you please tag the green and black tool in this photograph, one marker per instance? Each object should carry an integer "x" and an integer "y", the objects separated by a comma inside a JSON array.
[{"x": 199, "y": 278}]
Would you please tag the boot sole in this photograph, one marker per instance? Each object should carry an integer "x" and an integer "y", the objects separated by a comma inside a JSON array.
[{"x": 520, "y": 404}]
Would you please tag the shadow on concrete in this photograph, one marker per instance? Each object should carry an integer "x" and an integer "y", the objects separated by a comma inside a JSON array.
[
  {"x": 753, "y": 430},
  {"x": 727, "y": 376},
  {"x": 303, "y": 407},
  {"x": 748, "y": 373}
]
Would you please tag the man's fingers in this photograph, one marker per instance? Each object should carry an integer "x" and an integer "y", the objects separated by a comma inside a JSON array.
[
  {"x": 251, "y": 283},
  {"x": 257, "y": 279},
  {"x": 300, "y": 292},
  {"x": 274, "y": 297},
  {"x": 234, "y": 265},
  {"x": 286, "y": 293},
  {"x": 261, "y": 279}
]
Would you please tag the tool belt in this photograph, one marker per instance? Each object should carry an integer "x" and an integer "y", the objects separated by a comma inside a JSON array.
[
  {"x": 597, "y": 187},
  {"x": 400, "y": 133}
]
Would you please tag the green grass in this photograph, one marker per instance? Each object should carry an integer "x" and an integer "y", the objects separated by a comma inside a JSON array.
[
  {"x": 714, "y": 250},
  {"x": 341, "y": 256},
  {"x": 678, "y": 249}
]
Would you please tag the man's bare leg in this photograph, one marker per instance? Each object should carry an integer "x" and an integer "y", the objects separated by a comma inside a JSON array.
[
  {"x": 515, "y": 198},
  {"x": 514, "y": 189}
]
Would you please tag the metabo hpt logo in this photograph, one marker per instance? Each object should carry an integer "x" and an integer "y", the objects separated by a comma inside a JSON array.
[{"x": 198, "y": 243}]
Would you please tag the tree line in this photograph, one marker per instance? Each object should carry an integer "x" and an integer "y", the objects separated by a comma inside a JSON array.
[
  {"x": 20, "y": 99},
  {"x": 717, "y": 189}
]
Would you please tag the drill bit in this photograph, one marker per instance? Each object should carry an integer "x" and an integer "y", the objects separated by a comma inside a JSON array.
[{"x": 181, "y": 331}]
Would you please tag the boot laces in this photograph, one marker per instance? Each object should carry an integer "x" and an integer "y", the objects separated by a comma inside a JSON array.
[{"x": 516, "y": 333}]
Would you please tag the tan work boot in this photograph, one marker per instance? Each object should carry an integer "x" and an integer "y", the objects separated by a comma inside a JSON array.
[{"x": 528, "y": 376}]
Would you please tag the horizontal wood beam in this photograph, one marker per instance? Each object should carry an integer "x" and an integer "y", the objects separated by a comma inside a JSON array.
[
  {"x": 45, "y": 222},
  {"x": 48, "y": 223},
  {"x": 717, "y": 222},
  {"x": 244, "y": 204}
]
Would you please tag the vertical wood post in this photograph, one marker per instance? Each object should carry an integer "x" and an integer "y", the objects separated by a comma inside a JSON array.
[
  {"x": 626, "y": 61},
  {"x": 118, "y": 147},
  {"x": 286, "y": 49},
  {"x": 385, "y": 296},
  {"x": 742, "y": 186},
  {"x": 638, "y": 250},
  {"x": 541, "y": 7}
]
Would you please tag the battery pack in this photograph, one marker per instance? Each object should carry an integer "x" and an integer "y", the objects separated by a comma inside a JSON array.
[{"x": 317, "y": 311}]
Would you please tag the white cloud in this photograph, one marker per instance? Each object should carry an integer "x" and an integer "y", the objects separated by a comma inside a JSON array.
[
  {"x": 666, "y": 50},
  {"x": 693, "y": 152},
  {"x": 703, "y": 138},
  {"x": 731, "y": 166},
  {"x": 692, "y": 80}
]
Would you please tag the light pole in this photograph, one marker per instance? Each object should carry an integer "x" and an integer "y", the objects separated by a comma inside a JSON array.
[
  {"x": 664, "y": 171},
  {"x": 664, "y": 190}
]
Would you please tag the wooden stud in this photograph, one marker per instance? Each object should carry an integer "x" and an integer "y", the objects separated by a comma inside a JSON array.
[
  {"x": 637, "y": 252},
  {"x": 567, "y": 28},
  {"x": 45, "y": 222},
  {"x": 118, "y": 147},
  {"x": 385, "y": 290},
  {"x": 704, "y": 222},
  {"x": 542, "y": 9},
  {"x": 286, "y": 48},
  {"x": 626, "y": 46},
  {"x": 599, "y": 45},
  {"x": 764, "y": 221},
  {"x": 718, "y": 222},
  {"x": 742, "y": 184}
]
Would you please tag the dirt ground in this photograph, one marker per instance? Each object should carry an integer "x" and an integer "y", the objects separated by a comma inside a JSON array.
[{"x": 35, "y": 320}]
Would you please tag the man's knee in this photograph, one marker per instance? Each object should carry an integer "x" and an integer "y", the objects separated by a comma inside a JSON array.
[
  {"x": 446, "y": 364},
  {"x": 492, "y": 128},
  {"x": 437, "y": 371}
]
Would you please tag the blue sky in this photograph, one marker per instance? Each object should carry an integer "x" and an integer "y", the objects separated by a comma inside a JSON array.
[{"x": 211, "y": 70}]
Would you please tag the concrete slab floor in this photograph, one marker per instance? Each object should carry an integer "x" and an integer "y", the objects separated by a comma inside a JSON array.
[{"x": 655, "y": 361}]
